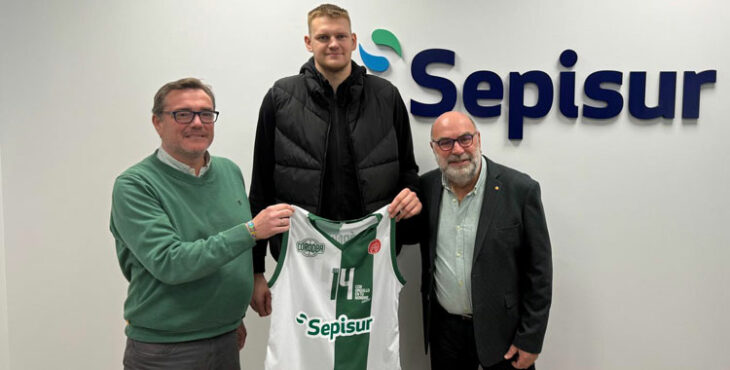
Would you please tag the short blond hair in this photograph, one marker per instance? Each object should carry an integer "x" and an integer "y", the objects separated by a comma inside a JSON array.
[{"x": 327, "y": 10}]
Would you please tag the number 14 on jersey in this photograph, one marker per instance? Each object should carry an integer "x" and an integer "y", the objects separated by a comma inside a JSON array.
[{"x": 343, "y": 283}]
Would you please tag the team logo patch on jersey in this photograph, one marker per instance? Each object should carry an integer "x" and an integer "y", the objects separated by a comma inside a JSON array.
[
  {"x": 374, "y": 246},
  {"x": 342, "y": 327},
  {"x": 310, "y": 247}
]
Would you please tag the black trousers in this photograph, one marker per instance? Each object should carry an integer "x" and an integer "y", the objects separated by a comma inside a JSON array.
[
  {"x": 452, "y": 345},
  {"x": 217, "y": 353}
]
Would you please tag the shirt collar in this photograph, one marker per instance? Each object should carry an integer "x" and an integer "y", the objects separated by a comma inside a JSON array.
[{"x": 167, "y": 159}]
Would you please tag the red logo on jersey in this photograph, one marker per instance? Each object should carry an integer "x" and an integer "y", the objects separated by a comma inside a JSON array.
[{"x": 374, "y": 246}]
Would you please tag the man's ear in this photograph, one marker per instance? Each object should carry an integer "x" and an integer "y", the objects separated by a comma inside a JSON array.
[
  {"x": 308, "y": 43},
  {"x": 157, "y": 122}
]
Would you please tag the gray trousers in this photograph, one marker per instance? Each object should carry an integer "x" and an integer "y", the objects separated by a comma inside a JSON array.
[{"x": 217, "y": 353}]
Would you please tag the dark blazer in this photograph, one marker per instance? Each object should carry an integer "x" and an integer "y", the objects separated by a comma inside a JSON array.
[{"x": 511, "y": 274}]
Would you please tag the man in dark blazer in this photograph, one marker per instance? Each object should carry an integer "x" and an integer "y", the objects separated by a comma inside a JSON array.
[{"x": 486, "y": 259}]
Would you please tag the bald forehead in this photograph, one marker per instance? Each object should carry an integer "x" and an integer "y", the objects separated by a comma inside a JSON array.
[{"x": 452, "y": 122}]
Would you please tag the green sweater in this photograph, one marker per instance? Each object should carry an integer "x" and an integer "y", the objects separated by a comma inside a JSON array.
[{"x": 183, "y": 246}]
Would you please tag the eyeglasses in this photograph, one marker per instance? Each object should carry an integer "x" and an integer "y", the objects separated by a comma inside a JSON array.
[
  {"x": 186, "y": 116},
  {"x": 447, "y": 144}
]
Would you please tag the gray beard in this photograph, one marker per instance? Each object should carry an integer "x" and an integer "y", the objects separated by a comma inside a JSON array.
[{"x": 460, "y": 176}]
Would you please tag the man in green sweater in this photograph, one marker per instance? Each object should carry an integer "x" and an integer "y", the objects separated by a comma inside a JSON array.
[{"x": 184, "y": 233}]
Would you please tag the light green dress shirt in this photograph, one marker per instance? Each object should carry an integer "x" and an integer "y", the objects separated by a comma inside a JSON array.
[{"x": 457, "y": 232}]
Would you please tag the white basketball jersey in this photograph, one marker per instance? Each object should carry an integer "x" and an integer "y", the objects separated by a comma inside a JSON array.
[{"x": 335, "y": 295}]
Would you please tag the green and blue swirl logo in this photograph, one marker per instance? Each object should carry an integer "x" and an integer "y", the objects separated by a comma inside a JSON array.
[{"x": 378, "y": 63}]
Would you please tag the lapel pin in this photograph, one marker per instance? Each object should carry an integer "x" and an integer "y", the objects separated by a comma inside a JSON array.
[{"x": 496, "y": 188}]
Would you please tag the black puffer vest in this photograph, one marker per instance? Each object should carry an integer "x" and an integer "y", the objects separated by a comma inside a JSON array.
[{"x": 303, "y": 119}]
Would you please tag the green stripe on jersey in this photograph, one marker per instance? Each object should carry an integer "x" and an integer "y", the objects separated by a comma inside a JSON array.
[{"x": 354, "y": 299}]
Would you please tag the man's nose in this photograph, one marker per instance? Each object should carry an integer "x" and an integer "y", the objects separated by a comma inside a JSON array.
[
  {"x": 196, "y": 122},
  {"x": 457, "y": 149}
]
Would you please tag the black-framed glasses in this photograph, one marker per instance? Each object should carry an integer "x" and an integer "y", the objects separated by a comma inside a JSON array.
[
  {"x": 447, "y": 144},
  {"x": 186, "y": 116}
]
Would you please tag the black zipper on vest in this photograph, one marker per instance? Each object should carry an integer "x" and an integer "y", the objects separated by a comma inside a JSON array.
[{"x": 324, "y": 164}]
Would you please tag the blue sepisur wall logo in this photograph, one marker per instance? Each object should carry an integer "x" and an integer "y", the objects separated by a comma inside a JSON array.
[
  {"x": 381, "y": 37},
  {"x": 483, "y": 91}
]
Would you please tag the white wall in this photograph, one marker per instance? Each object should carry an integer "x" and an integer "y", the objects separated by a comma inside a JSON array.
[
  {"x": 637, "y": 210},
  {"x": 4, "y": 350}
]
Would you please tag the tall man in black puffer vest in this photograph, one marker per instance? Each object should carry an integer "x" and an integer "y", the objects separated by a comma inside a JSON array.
[{"x": 332, "y": 140}]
